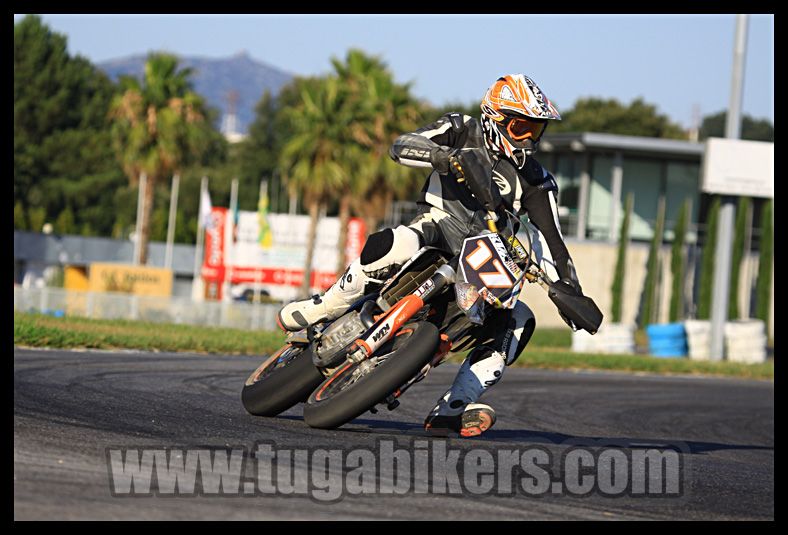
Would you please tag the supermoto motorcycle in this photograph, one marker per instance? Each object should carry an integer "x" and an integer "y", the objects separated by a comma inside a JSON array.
[{"x": 389, "y": 340}]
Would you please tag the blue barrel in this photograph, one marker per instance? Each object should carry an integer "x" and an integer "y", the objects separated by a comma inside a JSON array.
[{"x": 667, "y": 340}]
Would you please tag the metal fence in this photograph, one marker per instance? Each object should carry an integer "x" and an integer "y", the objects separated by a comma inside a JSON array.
[{"x": 108, "y": 305}]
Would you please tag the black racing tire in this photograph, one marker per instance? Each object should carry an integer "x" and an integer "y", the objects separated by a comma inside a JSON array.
[
  {"x": 329, "y": 407},
  {"x": 285, "y": 378}
]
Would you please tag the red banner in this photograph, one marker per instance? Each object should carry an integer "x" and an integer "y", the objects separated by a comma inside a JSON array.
[{"x": 213, "y": 262}]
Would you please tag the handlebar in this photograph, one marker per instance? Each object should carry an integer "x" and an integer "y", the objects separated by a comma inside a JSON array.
[{"x": 492, "y": 217}]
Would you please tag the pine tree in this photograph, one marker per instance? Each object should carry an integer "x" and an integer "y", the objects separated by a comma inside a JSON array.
[
  {"x": 676, "y": 312},
  {"x": 20, "y": 221},
  {"x": 649, "y": 311},
  {"x": 62, "y": 151},
  {"x": 764, "y": 284},
  {"x": 707, "y": 266},
  {"x": 64, "y": 224},
  {"x": 621, "y": 260},
  {"x": 37, "y": 217}
]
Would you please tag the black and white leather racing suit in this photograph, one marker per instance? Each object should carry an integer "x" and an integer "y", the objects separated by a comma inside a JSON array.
[{"x": 449, "y": 213}]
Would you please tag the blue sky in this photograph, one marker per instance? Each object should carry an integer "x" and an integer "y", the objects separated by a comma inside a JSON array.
[{"x": 672, "y": 61}]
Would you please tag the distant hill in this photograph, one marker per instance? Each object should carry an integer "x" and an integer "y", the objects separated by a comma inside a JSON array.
[{"x": 215, "y": 78}]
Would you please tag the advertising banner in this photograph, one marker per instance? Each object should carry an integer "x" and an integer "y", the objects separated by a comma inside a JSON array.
[
  {"x": 270, "y": 250},
  {"x": 127, "y": 278},
  {"x": 213, "y": 264},
  {"x": 738, "y": 167}
]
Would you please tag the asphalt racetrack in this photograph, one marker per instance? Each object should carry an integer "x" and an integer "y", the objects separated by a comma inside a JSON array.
[{"x": 72, "y": 408}]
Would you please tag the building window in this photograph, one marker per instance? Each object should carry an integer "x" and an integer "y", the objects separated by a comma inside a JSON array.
[
  {"x": 600, "y": 201},
  {"x": 567, "y": 170},
  {"x": 681, "y": 184},
  {"x": 643, "y": 178},
  {"x": 648, "y": 179}
]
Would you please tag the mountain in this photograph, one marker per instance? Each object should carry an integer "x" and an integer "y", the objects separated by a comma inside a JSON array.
[{"x": 215, "y": 78}]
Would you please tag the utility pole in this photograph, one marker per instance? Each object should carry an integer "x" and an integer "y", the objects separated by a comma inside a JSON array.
[
  {"x": 198, "y": 287},
  {"x": 140, "y": 210},
  {"x": 228, "y": 271},
  {"x": 722, "y": 260},
  {"x": 258, "y": 270},
  {"x": 171, "y": 222},
  {"x": 696, "y": 120}
]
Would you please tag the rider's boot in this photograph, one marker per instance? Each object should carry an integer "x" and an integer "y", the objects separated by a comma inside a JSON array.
[
  {"x": 458, "y": 409},
  {"x": 329, "y": 306}
]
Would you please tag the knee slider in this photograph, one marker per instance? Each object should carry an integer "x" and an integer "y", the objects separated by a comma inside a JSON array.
[
  {"x": 377, "y": 246},
  {"x": 388, "y": 247},
  {"x": 479, "y": 354}
]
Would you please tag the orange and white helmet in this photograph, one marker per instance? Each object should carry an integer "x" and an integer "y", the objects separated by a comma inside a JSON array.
[{"x": 515, "y": 113}]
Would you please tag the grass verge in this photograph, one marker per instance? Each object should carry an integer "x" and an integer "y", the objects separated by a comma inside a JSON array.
[
  {"x": 38, "y": 330},
  {"x": 560, "y": 359},
  {"x": 548, "y": 350}
]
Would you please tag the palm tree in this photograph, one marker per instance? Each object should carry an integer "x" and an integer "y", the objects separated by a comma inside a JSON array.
[
  {"x": 157, "y": 127},
  {"x": 355, "y": 75},
  {"x": 382, "y": 110},
  {"x": 385, "y": 180},
  {"x": 341, "y": 129},
  {"x": 314, "y": 159}
]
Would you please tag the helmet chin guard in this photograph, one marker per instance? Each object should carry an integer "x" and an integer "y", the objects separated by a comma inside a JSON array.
[{"x": 520, "y": 155}]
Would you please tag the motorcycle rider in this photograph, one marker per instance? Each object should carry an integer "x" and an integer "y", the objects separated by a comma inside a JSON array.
[{"x": 453, "y": 205}]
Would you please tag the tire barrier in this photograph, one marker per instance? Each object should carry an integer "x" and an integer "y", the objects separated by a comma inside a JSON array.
[
  {"x": 611, "y": 338},
  {"x": 745, "y": 341},
  {"x": 667, "y": 340},
  {"x": 698, "y": 338}
]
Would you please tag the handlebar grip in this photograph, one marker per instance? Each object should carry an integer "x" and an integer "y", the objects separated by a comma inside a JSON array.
[{"x": 491, "y": 218}]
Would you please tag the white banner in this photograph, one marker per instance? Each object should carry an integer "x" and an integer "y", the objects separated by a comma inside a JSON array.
[
  {"x": 738, "y": 167},
  {"x": 288, "y": 247}
]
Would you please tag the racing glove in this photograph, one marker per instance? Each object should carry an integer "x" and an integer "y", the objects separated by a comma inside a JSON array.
[
  {"x": 570, "y": 278},
  {"x": 475, "y": 166},
  {"x": 439, "y": 158}
]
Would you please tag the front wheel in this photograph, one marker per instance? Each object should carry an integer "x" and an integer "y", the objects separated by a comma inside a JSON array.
[
  {"x": 284, "y": 379},
  {"x": 357, "y": 387}
]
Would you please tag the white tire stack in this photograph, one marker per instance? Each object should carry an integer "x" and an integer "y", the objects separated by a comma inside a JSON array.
[
  {"x": 698, "y": 338},
  {"x": 745, "y": 341},
  {"x": 611, "y": 338}
]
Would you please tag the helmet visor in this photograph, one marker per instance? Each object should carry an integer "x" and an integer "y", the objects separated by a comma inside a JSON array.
[{"x": 520, "y": 128}]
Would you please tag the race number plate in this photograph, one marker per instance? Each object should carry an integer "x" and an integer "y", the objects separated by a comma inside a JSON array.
[{"x": 485, "y": 263}]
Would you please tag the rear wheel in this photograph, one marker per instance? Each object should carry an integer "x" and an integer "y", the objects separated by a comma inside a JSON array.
[
  {"x": 287, "y": 377},
  {"x": 357, "y": 387}
]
